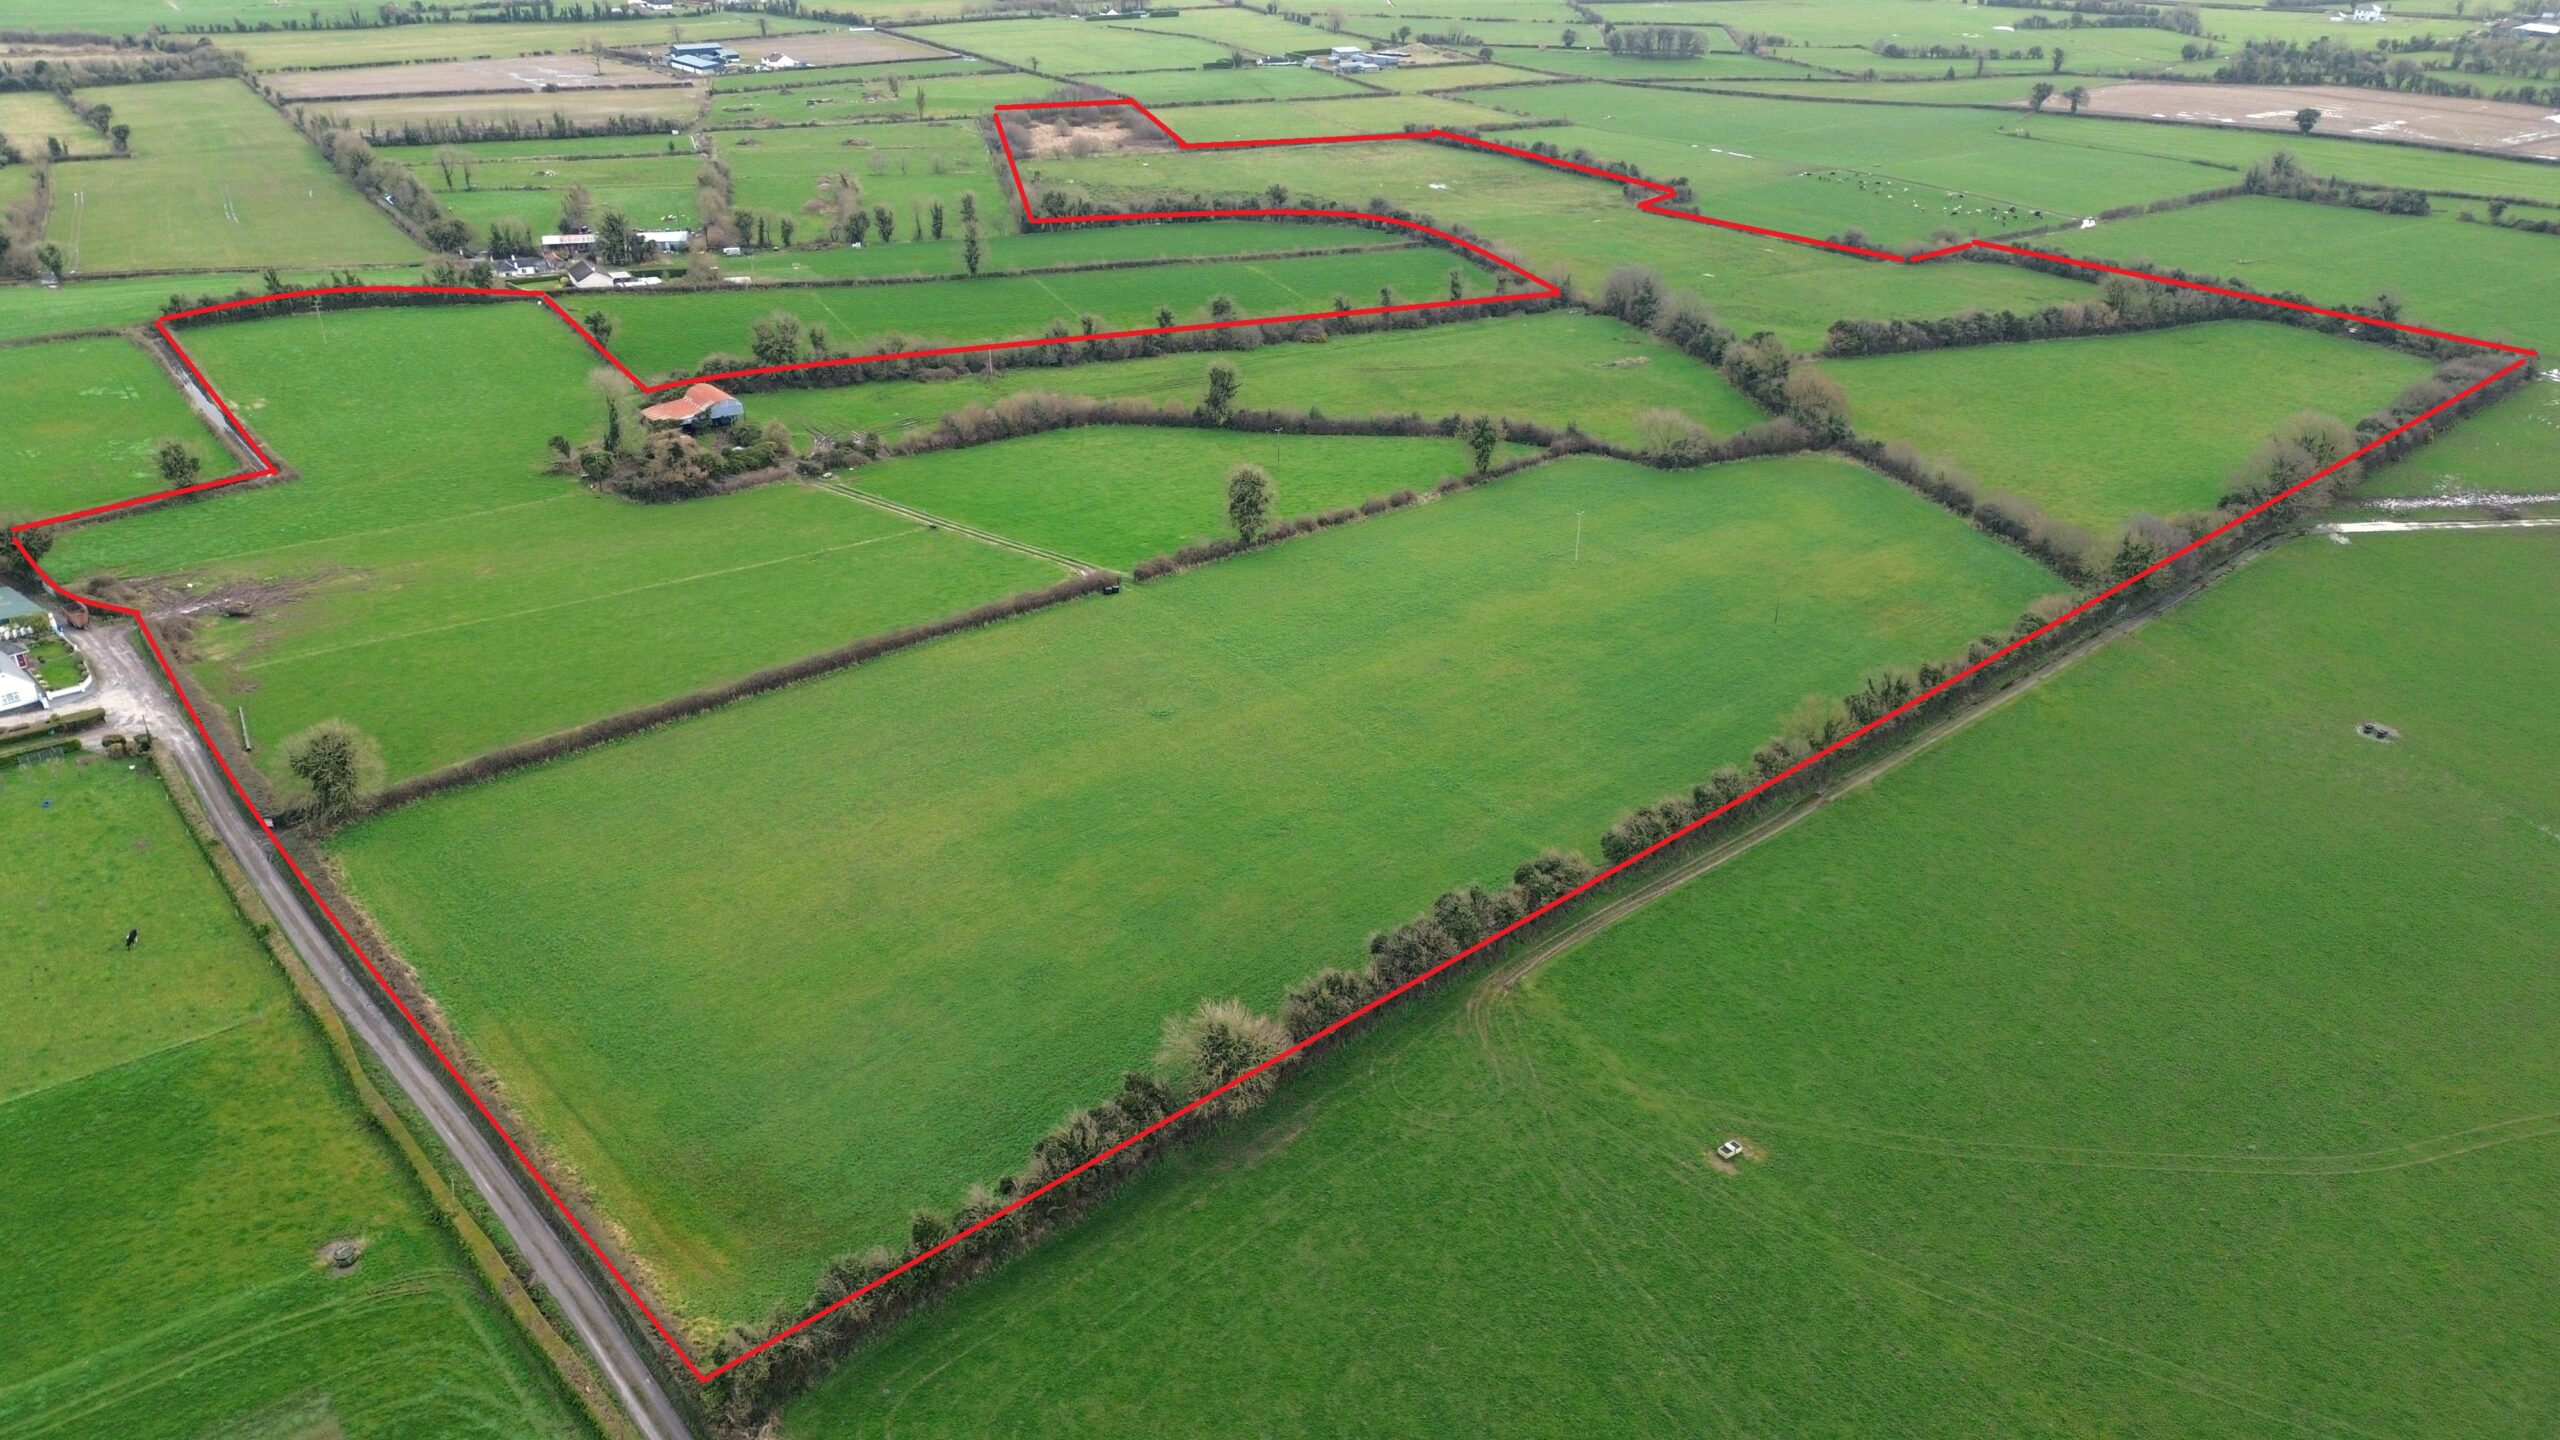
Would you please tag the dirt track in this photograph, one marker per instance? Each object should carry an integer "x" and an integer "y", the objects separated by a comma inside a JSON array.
[{"x": 2491, "y": 126}]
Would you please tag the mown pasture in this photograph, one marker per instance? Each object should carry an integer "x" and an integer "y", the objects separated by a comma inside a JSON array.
[
  {"x": 1006, "y": 249},
  {"x": 671, "y": 333},
  {"x": 533, "y": 112},
  {"x": 1068, "y": 45},
  {"x": 2410, "y": 167},
  {"x": 1252, "y": 32},
  {"x": 1406, "y": 79},
  {"x": 28, "y": 310},
  {"x": 1159, "y": 88},
  {"x": 751, "y": 81},
  {"x": 1462, "y": 9},
  {"x": 1863, "y": 65},
  {"x": 2468, "y": 278},
  {"x": 2158, "y": 1055},
  {"x": 181, "y": 1148},
  {"x": 904, "y": 165},
  {"x": 831, "y": 97},
  {"x": 29, "y": 118},
  {"x": 422, "y": 158},
  {"x": 1368, "y": 115},
  {"x": 2097, "y": 429},
  {"x": 652, "y": 191},
  {"x": 1601, "y": 65},
  {"x": 1566, "y": 226},
  {"x": 212, "y": 183},
  {"x": 439, "y": 588},
  {"x": 1832, "y": 31},
  {"x": 1557, "y": 369},
  {"x": 984, "y": 870},
  {"x": 1111, "y": 496},
  {"x": 1991, "y": 90},
  {"x": 87, "y": 418},
  {"x": 1824, "y": 169},
  {"x": 2508, "y": 448}
]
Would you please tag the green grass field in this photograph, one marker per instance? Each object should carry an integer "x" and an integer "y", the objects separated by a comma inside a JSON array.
[
  {"x": 2471, "y": 279},
  {"x": 1369, "y": 115},
  {"x": 1249, "y": 31},
  {"x": 2158, "y": 1056},
  {"x": 1555, "y": 368},
  {"x": 1160, "y": 88},
  {"x": 2507, "y": 448},
  {"x": 829, "y": 97},
  {"x": 1415, "y": 78},
  {"x": 1819, "y": 170},
  {"x": 181, "y": 1146},
  {"x": 1113, "y": 496},
  {"x": 1052, "y": 246},
  {"x": 668, "y": 106},
  {"x": 29, "y": 309},
  {"x": 653, "y": 191},
  {"x": 900, "y": 164},
  {"x": 752, "y": 81},
  {"x": 217, "y": 181},
  {"x": 95, "y": 411},
  {"x": 2413, "y": 167},
  {"x": 984, "y": 870},
  {"x": 1601, "y": 65},
  {"x": 1568, "y": 226},
  {"x": 1061, "y": 45},
  {"x": 429, "y": 582},
  {"x": 29, "y": 117},
  {"x": 2095, "y": 430},
  {"x": 671, "y": 333}
]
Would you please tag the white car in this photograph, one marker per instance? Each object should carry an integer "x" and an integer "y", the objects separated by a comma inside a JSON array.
[{"x": 1729, "y": 1150}]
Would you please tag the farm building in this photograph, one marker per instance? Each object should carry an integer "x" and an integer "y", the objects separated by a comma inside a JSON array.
[
  {"x": 699, "y": 405},
  {"x": 700, "y": 57},
  {"x": 18, "y": 687},
  {"x": 20, "y": 617}
]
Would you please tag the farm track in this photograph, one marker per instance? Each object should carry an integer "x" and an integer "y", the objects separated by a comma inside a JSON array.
[
  {"x": 511, "y": 1189},
  {"x": 581, "y": 1300},
  {"x": 937, "y": 522}
]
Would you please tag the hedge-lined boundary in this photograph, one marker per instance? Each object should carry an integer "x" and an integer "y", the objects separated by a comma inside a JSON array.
[{"x": 564, "y": 743}]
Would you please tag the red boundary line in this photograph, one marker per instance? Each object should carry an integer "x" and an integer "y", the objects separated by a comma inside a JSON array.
[{"x": 1657, "y": 204}]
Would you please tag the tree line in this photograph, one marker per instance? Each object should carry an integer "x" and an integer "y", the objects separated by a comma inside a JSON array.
[
  {"x": 378, "y": 178},
  {"x": 132, "y": 64},
  {"x": 1087, "y": 1157},
  {"x": 1081, "y": 341}
]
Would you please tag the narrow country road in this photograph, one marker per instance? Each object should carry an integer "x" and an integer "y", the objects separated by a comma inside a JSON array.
[{"x": 133, "y": 691}]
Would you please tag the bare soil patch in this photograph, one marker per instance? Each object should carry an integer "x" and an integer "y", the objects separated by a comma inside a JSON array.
[
  {"x": 536, "y": 73},
  {"x": 1083, "y": 136},
  {"x": 2494, "y": 127}
]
